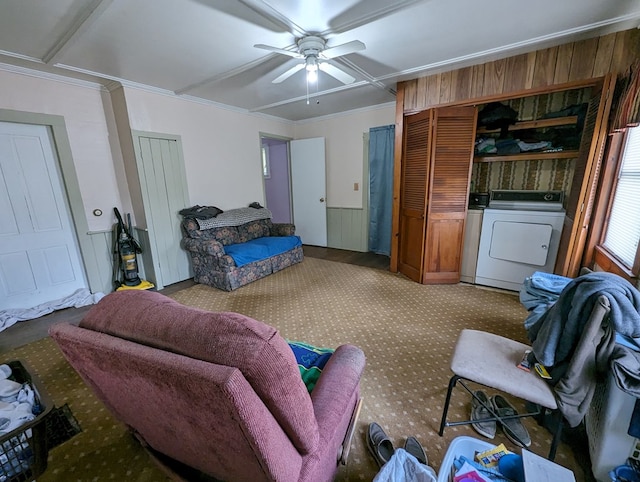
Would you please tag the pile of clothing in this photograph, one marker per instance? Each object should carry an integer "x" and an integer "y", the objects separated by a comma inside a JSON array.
[
  {"x": 559, "y": 311},
  {"x": 18, "y": 406},
  {"x": 496, "y": 115}
]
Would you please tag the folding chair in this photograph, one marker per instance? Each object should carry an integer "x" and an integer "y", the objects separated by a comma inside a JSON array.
[{"x": 491, "y": 360}]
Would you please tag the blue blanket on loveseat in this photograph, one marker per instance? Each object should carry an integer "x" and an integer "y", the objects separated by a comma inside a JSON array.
[{"x": 261, "y": 248}]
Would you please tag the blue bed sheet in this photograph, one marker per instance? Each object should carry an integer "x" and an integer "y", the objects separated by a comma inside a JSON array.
[{"x": 261, "y": 248}]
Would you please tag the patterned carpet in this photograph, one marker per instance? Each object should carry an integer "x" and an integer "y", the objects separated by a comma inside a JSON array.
[{"x": 406, "y": 330}]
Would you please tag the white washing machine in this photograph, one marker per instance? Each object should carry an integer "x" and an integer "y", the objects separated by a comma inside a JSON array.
[{"x": 520, "y": 235}]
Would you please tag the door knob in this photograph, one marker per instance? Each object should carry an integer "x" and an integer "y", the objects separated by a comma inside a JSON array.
[{"x": 321, "y": 199}]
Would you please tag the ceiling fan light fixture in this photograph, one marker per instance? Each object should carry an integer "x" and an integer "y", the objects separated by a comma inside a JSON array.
[
  {"x": 311, "y": 66},
  {"x": 311, "y": 63}
]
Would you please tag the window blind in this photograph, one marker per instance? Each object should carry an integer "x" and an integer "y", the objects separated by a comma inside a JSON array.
[{"x": 623, "y": 230}]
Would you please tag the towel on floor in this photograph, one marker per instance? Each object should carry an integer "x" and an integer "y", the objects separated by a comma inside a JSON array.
[{"x": 80, "y": 297}]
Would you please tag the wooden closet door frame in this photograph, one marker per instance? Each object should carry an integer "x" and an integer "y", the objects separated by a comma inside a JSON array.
[
  {"x": 397, "y": 173},
  {"x": 402, "y": 94},
  {"x": 574, "y": 235}
]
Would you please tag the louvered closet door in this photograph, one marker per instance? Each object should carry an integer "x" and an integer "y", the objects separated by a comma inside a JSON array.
[
  {"x": 413, "y": 193},
  {"x": 585, "y": 180},
  {"x": 449, "y": 177}
]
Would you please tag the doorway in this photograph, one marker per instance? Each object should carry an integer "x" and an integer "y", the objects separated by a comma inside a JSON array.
[
  {"x": 294, "y": 174},
  {"x": 277, "y": 178}
]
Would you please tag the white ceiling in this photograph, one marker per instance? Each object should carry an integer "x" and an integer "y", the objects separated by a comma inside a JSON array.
[{"x": 205, "y": 48}]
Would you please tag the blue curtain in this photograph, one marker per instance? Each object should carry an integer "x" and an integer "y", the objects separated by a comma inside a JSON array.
[{"x": 381, "y": 141}]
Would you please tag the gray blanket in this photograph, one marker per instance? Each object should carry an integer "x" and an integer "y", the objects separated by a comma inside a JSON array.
[
  {"x": 234, "y": 217},
  {"x": 555, "y": 334}
]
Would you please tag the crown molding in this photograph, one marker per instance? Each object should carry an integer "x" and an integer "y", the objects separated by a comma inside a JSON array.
[
  {"x": 508, "y": 50},
  {"x": 16, "y": 69}
]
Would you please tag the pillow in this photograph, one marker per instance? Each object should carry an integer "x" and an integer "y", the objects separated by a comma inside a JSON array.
[{"x": 311, "y": 360}]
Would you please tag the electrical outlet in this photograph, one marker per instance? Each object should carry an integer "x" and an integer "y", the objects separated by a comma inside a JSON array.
[{"x": 356, "y": 186}]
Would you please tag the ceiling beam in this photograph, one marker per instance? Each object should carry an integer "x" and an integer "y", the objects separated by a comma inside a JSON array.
[
  {"x": 80, "y": 25},
  {"x": 367, "y": 16},
  {"x": 311, "y": 95},
  {"x": 266, "y": 11},
  {"x": 225, "y": 75}
]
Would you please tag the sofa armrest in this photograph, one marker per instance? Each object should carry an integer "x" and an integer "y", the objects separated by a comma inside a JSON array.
[
  {"x": 210, "y": 247},
  {"x": 282, "y": 229},
  {"x": 336, "y": 387}
]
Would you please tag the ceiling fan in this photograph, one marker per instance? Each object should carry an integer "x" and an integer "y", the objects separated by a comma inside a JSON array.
[{"x": 312, "y": 49}]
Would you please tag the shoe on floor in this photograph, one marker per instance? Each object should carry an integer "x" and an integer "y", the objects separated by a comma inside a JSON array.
[
  {"x": 412, "y": 446},
  {"x": 478, "y": 412},
  {"x": 379, "y": 444},
  {"x": 513, "y": 428}
]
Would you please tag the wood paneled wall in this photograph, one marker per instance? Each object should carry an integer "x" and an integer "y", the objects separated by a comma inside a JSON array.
[
  {"x": 566, "y": 63},
  {"x": 569, "y": 65}
]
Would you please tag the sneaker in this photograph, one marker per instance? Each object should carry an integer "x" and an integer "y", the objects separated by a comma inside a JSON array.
[
  {"x": 379, "y": 444},
  {"x": 513, "y": 428},
  {"x": 479, "y": 412},
  {"x": 413, "y": 447}
]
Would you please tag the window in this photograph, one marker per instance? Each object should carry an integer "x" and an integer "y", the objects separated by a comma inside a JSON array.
[
  {"x": 266, "y": 169},
  {"x": 623, "y": 228}
]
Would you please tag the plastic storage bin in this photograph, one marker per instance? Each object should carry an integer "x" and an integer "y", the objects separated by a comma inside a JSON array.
[
  {"x": 467, "y": 446},
  {"x": 24, "y": 451}
]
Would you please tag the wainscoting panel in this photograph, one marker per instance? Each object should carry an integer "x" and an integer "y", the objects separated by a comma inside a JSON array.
[
  {"x": 347, "y": 229},
  {"x": 103, "y": 261}
]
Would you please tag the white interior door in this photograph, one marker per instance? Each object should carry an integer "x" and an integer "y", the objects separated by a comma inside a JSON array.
[
  {"x": 39, "y": 257},
  {"x": 308, "y": 185},
  {"x": 164, "y": 189}
]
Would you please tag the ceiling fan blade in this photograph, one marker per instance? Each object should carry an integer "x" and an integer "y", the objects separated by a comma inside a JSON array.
[
  {"x": 290, "y": 53},
  {"x": 344, "y": 49},
  {"x": 336, "y": 73},
  {"x": 288, "y": 73}
]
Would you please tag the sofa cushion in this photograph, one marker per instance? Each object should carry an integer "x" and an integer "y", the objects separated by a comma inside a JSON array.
[
  {"x": 254, "y": 229},
  {"x": 229, "y": 339},
  {"x": 261, "y": 248},
  {"x": 226, "y": 235}
]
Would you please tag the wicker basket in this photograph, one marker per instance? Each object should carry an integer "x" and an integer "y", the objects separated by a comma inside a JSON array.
[{"x": 23, "y": 452}]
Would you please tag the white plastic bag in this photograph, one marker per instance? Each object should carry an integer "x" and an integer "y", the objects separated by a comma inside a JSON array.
[{"x": 404, "y": 467}]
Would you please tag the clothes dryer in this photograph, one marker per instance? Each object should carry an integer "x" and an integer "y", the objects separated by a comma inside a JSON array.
[{"x": 520, "y": 235}]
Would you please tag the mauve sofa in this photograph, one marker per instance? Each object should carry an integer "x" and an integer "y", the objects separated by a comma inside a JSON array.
[{"x": 215, "y": 393}]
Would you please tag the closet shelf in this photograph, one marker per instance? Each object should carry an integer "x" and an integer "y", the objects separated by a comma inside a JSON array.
[
  {"x": 534, "y": 124},
  {"x": 528, "y": 156}
]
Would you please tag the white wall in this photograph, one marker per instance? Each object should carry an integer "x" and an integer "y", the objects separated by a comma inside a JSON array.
[
  {"x": 221, "y": 147},
  {"x": 87, "y": 113},
  {"x": 344, "y": 150}
]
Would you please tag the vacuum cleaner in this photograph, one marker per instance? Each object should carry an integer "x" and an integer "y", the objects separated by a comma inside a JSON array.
[{"x": 125, "y": 262}]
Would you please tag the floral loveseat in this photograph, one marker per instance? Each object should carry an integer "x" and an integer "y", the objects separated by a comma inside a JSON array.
[{"x": 239, "y": 246}]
